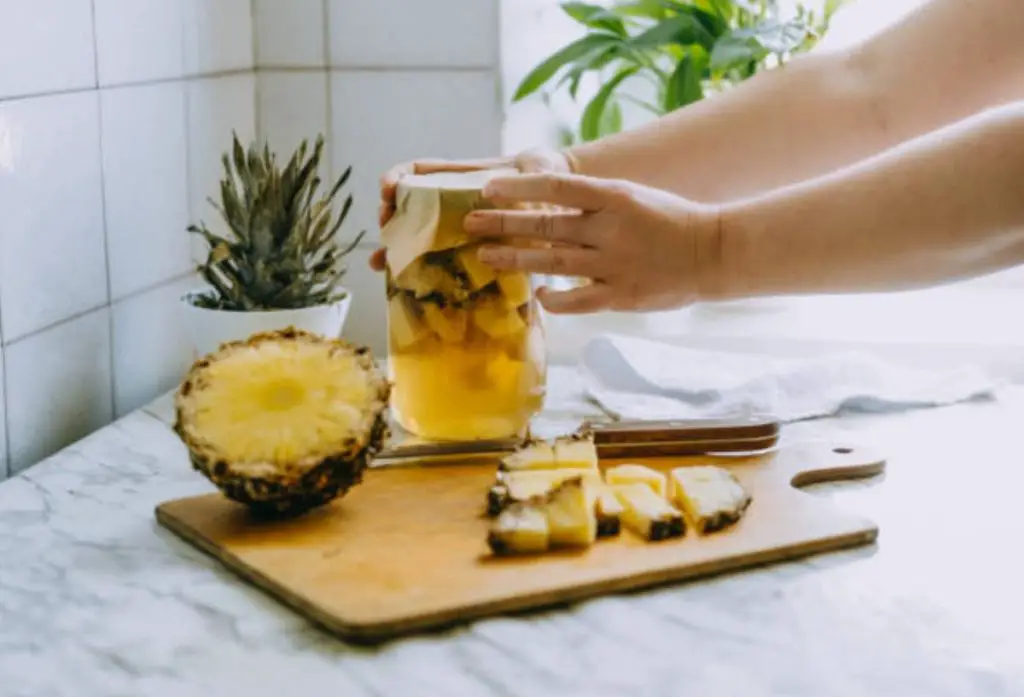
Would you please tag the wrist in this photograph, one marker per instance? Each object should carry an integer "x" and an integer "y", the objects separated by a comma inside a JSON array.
[{"x": 721, "y": 247}]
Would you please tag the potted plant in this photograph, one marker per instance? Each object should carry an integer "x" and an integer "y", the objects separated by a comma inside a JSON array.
[
  {"x": 279, "y": 263},
  {"x": 676, "y": 52}
]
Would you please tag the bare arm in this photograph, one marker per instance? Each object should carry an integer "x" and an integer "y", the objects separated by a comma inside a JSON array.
[
  {"x": 947, "y": 60},
  {"x": 946, "y": 206}
]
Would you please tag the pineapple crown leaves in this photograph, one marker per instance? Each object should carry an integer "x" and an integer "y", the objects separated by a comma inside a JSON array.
[{"x": 280, "y": 250}]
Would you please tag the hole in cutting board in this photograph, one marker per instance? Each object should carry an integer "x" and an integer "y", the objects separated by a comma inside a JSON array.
[{"x": 842, "y": 451}]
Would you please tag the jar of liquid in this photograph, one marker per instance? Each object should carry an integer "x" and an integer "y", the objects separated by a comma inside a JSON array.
[{"x": 466, "y": 346}]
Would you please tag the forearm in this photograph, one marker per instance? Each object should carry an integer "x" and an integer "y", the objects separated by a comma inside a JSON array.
[
  {"x": 943, "y": 207},
  {"x": 820, "y": 112},
  {"x": 781, "y": 126}
]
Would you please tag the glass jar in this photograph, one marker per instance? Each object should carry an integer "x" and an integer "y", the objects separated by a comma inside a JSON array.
[{"x": 466, "y": 346}]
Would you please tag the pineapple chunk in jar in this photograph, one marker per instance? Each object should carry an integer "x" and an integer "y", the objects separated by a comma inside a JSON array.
[{"x": 466, "y": 347}]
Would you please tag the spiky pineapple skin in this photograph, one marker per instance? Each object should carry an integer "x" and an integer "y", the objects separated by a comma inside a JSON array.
[{"x": 285, "y": 495}]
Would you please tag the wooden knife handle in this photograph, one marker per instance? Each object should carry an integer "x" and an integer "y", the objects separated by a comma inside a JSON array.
[{"x": 684, "y": 430}]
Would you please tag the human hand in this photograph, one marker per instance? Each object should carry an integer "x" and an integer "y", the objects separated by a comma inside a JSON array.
[
  {"x": 529, "y": 161},
  {"x": 642, "y": 249}
]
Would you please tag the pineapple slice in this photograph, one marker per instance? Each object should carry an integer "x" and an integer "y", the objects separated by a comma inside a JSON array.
[
  {"x": 498, "y": 322},
  {"x": 572, "y": 520},
  {"x": 479, "y": 273},
  {"x": 512, "y": 487},
  {"x": 515, "y": 288},
  {"x": 576, "y": 450},
  {"x": 449, "y": 324},
  {"x": 533, "y": 454},
  {"x": 562, "y": 518},
  {"x": 648, "y": 515},
  {"x": 404, "y": 329},
  {"x": 522, "y": 528},
  {"x": 637, "y": 474},
  {"x": 711, "y": 497},
  {"x": 609, "y": 513},
  {"x": 283, "y": 421}
]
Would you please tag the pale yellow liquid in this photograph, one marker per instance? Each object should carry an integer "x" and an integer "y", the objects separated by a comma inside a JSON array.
[{"x": 474, "y": 388}]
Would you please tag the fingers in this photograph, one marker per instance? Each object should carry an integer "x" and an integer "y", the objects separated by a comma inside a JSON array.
[
  {"x": 593, "y": 297},
  {"x": 569, "y": 190},
  {"x": 549, "y": 226},
  {"x": 557, "y": 261},
  {"x": 378, "y": 260}
]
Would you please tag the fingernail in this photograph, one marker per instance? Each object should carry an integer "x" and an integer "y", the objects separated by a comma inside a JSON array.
[{"x": 473, "y": 222}]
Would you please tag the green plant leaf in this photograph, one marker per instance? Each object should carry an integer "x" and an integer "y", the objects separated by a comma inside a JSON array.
[
  {"x": 593, "y": 114},
  {"x": 611, "y": 120},
  {"x": 735, "y": 50},
  {"x": 555, "y": 62},
  {"x": 685, "y": 29},
  {"x": 684, "y": 86},
  {"x": 596, "y": 59},
  {"x": 594, "y": 16}
]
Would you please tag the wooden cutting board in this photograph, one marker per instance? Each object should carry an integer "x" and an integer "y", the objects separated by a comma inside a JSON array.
[{"x": 405, "y": 551}]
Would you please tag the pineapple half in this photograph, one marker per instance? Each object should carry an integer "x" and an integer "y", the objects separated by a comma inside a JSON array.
[{"x": 283, "y": 421}]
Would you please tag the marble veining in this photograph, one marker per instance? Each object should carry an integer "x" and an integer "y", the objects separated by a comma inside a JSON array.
[{"x": 96, "y": 600}]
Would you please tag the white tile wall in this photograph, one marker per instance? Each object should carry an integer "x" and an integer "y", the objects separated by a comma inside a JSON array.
[
  {"x": 381, "y": 118},
  {"x": 414, "y": 33},
  {"x": 111, "y": 135},
  {"x": 58, "y": 387},
  {"x": 216, "y": 107},
  {"x": 138, "y": 40},
  {"x": 218, "y": 35},
  {"x": 145, "y": 185},
  {"x": 52, "y": 255},
  {"x": 150, "y": 344},
  {"x": 102, "y": 126},
  {"x": 292, "y": 107},
  {"x": 290, "y": 33},
  {"x": 367, "y": 318},
  {"x": 3, "y": 422},
  {"x": 51, "y": 44}
]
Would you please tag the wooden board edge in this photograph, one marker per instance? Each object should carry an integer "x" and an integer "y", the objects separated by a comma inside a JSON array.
[
  {"x": 372, "y": 633},
  {"x": 375, "y": 633},
  {"x": 231, "y": 563}
]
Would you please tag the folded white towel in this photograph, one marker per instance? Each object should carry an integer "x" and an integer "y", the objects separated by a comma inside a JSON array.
[{"x": 637, "y": 378}]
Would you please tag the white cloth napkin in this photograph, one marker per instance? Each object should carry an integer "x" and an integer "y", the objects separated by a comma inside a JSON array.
[{"x": 636, "y": 378}]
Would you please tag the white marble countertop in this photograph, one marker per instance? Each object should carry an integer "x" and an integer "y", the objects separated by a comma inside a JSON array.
[{"x": 96, "y": 600}]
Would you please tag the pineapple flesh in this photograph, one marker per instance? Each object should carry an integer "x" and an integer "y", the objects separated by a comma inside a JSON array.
[
  {"x": 711, "y": 497},
  {"x": 647, "y": 514},
  {"x": 569, "y": 517},
  {"x": 283, "y": 421},
  {"x": 637, "y": 474}
]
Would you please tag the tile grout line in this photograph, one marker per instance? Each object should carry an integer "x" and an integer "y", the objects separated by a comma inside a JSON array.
[
  {"x": 254, "y": 45},
  {"x": 325, "y": 29},
  {"x": 96, "y": 308},
  {"x": 103, "y": 217}
]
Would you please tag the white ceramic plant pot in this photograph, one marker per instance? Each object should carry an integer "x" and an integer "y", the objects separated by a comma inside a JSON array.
[{"x": 209, "y": 329}]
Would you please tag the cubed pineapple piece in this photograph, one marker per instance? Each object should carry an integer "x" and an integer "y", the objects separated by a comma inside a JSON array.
[
  {"x": 572, "y": 520},
  {"x": 479, "y": 273},
  {"x": 609, "y": 512},
  {"x": 512, "y": 487},
  {"x": 521, "y": 528},
  {"x": 515, "y": 288},
  {"x": 576, "y": 450},
  {"x": 531, "y": 455},
  {"x": 497, "y": 321},
  {"x": 448, "y": 323},
  {"x": 647, "y": 514},
  {"x": 637, "y": 474},
  {"x": 404, "y": 328},
  {"x": 711, "y": 497}
]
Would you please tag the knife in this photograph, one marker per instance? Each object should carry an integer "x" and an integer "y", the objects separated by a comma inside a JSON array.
[{"x": 620, "y": 439}]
